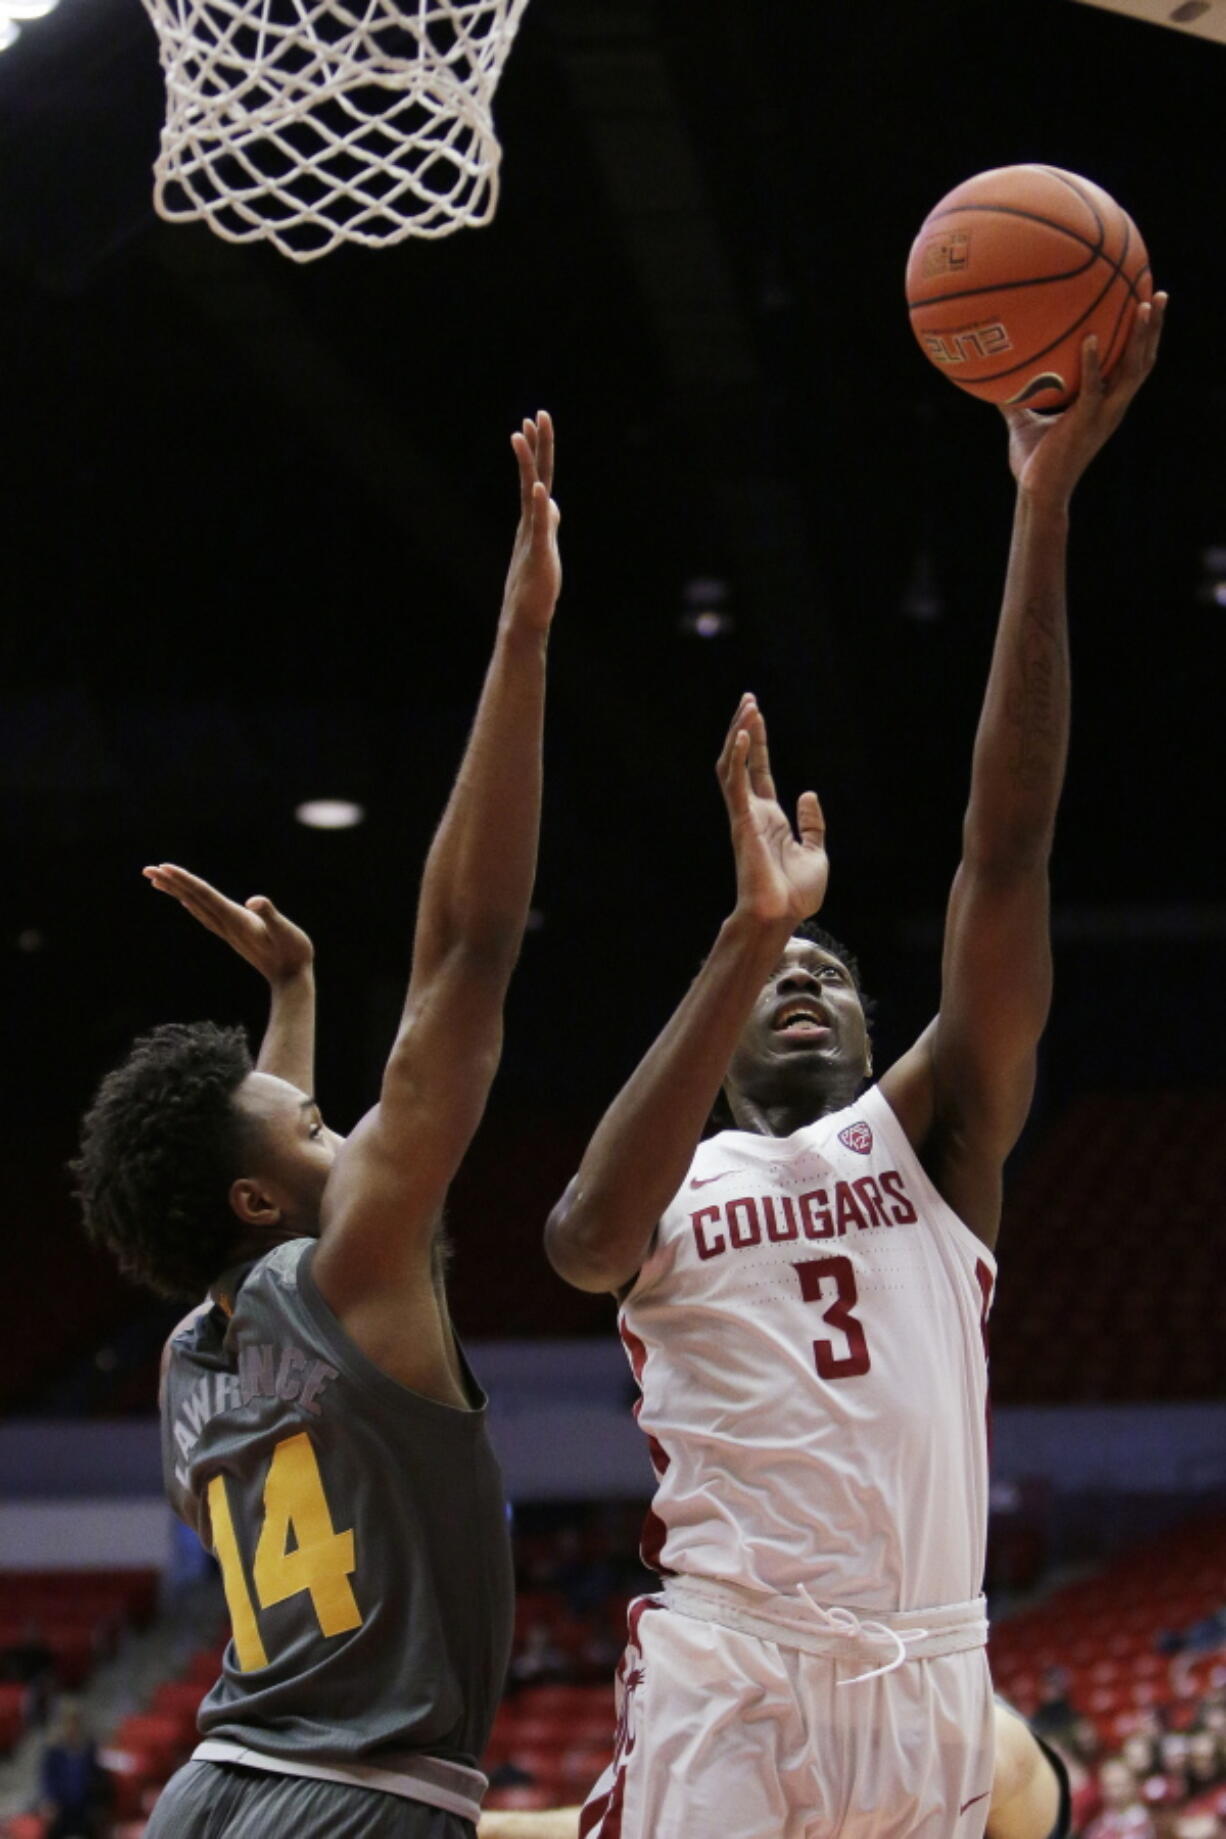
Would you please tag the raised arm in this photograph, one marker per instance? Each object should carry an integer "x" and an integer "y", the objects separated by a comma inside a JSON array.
[
  {"x": 274, "y": 946},
  {"x": 963, "y": 1092},
  {"x": 387, "y": 1187},
  {"x": 479, "y": 873},
  {"x": 598, "y": 1234}
]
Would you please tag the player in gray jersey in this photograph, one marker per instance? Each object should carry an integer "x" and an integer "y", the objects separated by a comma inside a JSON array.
[{"x": 322, "y": 1430}]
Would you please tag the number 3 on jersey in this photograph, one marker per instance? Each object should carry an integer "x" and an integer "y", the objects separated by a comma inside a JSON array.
[
  {"x": 833, "y": 1281},
  {"x": 320, "y": 1560}
]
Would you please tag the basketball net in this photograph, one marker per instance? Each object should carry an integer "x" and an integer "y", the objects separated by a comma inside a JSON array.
[{"x": 310, "y": 123}]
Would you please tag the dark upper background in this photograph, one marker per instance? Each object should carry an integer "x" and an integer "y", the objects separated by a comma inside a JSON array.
[{"x": 256, "y": 519}]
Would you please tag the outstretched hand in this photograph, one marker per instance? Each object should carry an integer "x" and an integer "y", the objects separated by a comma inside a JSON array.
[
  {"x": 534, "y": 579},
  {"x": 278, "y": 949},
  {"x": 1049, "y": 453},
  {"x": 781, "y": 874}
]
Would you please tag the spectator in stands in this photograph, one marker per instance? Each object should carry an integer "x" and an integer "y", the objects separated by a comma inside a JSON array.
[
  {"x": 1205, "y": 1761},
  {"x": 1208, "y": 1633},
  {"x": 507, "y": 1775},
  {"x": 568, "y": 1571},
  {"x": 1193, "y": 1826},
  {"x": 1123, "y": 1816},
  {"x": 1080, "y": 1751},
  {"x": 1140, "y": 1751},
  {"x": 1171, "y": 1782},
  {"x": 74, "y": 1791},
  {"x": 1054, "y": 1715},
  {"x": 29, "y": 1662},
  {"x": 1083, "y": 1742},
  {"x": 601, "y": 1650},
  {"x": 540, "y": 1661}
]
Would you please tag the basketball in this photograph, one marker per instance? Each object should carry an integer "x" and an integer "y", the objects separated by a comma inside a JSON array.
[{"x": 1012, "y": 270}]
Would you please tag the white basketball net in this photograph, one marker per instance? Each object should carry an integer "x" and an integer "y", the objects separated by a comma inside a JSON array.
[{"x": 316, "y": 122}]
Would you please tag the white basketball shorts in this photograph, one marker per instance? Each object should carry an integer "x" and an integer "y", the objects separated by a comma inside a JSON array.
[{"x": 724, "y": 1734}]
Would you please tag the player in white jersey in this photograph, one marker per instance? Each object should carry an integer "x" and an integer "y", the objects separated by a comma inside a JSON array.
[{"x": 803, "y": 1295}]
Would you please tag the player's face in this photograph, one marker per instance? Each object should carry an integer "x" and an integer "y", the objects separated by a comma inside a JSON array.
[
  {"x": 291, "y": 1148},
  {"x": 807, "y": 1025}
]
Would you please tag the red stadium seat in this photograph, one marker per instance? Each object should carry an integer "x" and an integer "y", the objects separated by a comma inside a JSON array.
[
  {"x": 204, "y": 1667},
  {"x": 179, "y": 1699},
  {"x": 543, "y": 1607},
  {"x": 1091, "y": 1179},
  {"x": 25, "y": 1826},
  {"x": 583, "y": 1764},
  {"x": 143, "y": 1752},
  {"x": 12, "y": 1715},
  {"x": 595, "y": 1728},
  {"x": 149, "y": 1735},
  {"x": 537, "y": 1733},
  {"x": 1102, "y": 1631},
  {"x": 561, "y": 1701}
]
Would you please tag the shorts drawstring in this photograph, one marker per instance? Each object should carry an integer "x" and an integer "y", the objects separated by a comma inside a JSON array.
[{"x": 839, "y": 1621}]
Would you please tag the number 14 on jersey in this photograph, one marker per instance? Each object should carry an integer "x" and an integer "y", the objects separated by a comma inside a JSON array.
[{"x": 319, "y": 1560}]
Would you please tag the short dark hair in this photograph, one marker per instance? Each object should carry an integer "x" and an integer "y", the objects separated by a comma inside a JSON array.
[{"x": 160, "y": 1146}]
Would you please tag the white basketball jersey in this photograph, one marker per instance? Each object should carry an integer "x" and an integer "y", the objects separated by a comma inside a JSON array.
[{"x": 808, "y": 1337}]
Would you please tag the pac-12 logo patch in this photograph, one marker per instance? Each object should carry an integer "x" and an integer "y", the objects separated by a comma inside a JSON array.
[{"x": 858, "y": 1136}]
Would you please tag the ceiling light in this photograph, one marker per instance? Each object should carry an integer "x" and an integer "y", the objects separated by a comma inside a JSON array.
[
  {"x": 1212, "y": 588},
  {"x": 707, "y": 624},
  {"x": 922, "y": 599},
  {"x": 706, "y": 613},
  {"x": 329, "y": 814},
  {"x": 14, "y": 11}
]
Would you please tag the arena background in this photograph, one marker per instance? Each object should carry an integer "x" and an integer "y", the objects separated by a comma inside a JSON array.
[{"x": 256, "y": 519}]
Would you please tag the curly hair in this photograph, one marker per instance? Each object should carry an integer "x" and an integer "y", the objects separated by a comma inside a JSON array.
[{"x": 160, "y": 1146}]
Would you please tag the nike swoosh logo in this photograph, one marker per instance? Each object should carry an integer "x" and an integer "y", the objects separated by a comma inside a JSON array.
[
  {"x": 973, "y": 1799},
  {"x": 703, "y": 1181}
]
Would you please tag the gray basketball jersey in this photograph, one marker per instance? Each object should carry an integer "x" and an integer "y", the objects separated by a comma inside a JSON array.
[{"x": 360, "y": 1528}]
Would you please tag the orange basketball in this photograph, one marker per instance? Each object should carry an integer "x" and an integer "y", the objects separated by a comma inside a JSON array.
[{"x": 1010, "y": 272}]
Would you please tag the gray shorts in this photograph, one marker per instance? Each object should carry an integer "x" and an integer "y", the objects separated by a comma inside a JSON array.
[{"x": 224, "y": 1800}]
